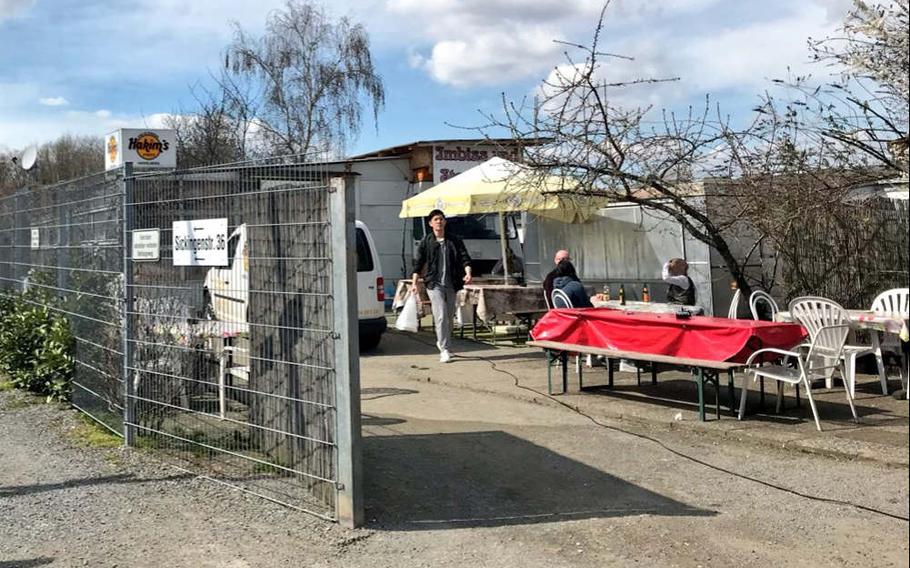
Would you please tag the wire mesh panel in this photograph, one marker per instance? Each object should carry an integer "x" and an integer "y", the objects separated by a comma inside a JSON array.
[
  {"x": 231, "y": 329},
  {"x": 62, "y": 246}
]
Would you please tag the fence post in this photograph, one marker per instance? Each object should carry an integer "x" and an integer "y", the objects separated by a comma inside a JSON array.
[
  {"x": 126, "y": 328},
  {"x": 349, "y": 470}
]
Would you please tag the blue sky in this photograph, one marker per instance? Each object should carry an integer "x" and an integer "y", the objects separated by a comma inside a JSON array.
[{"x": 91, "y": 66}]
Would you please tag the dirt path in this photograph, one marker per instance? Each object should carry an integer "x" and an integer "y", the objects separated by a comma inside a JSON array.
[{"x": 455, "y": 478}]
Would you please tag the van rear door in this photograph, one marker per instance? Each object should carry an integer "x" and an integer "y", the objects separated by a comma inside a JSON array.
[{"x": 370, "y": 289}]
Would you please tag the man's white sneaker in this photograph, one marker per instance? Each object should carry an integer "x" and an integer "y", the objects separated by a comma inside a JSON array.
[{"x": 445, "y": 356}]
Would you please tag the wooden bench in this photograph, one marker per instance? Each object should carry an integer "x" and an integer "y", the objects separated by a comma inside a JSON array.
[{"x": 704, "y": 370}]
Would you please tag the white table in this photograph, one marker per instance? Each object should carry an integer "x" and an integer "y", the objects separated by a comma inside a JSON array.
[
  {"x": 891, "y": 323},
  {"x": 649, "y": 307}
]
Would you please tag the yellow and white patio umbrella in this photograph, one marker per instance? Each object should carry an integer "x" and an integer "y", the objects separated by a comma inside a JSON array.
[{"x": 501, "y": 186}]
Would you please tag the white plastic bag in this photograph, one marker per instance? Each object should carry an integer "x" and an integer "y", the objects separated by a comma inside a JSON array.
[{"x": 407, "y": 319}]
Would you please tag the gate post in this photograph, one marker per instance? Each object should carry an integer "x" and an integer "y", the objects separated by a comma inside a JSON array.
[
  {"x": 126, "y": 328},
  {"x": 349, "y": 468}
]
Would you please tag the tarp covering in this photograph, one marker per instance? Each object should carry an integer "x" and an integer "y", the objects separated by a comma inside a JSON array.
[
  {"x": 713, "y": 339},
  {"x": 501, "y": 186}
]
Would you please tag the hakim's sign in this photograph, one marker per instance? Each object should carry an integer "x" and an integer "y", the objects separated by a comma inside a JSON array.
[{"x": 141, "y": 146}]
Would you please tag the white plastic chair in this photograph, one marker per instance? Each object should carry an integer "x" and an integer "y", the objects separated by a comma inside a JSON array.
[
  {"x": 824, "y": 355},
  {"x": 734, "y": 304},
  {"x": 546, "y": 299},
  {"x": 759, "y": 296},
  {"x": 820, "y": 311},
  {"x": 894, "y": 301},
  {"x": 560, "y": 299}
]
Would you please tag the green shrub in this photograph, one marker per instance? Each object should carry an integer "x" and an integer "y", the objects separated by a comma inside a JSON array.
[{"x": 36, "y": 347}]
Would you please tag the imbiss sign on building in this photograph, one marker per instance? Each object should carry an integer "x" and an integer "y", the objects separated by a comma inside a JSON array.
[
  {"x": 451, "y": 160},
  {"x": 141, "y": 146}
]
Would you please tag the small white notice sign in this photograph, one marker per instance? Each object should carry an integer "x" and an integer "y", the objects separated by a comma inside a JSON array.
[
  {"x": 36, "y": 239},
  {"x": 146, "y": 245},
  {"x": 200, "y": 242}
]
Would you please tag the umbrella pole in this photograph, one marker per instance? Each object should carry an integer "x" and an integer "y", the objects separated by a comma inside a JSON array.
[{"x": 503, "y": 245}]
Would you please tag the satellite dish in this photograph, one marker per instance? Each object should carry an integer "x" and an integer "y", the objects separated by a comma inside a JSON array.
[{"x": 28, "y": 158}]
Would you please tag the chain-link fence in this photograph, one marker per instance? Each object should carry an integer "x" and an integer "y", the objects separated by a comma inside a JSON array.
[
  {"x": 63, "y": 243},
  {"x": 237, "y": 329}
]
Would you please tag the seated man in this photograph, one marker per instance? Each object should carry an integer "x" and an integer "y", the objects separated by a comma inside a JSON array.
[
  {"x": 682, "y": 289},
  {"x": 567, "y": 281},
  {"x": 548, "y": 280}
]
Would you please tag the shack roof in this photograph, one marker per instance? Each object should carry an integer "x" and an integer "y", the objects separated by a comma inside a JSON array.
[{"x": 403, "y": 149}]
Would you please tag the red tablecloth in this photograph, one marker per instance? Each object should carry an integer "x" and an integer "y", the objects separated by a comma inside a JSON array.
[{"x": 713, "y": 339}]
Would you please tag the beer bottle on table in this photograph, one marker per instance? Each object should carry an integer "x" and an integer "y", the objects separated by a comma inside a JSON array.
[
  {"x": 645, "y": 294},
  {"x": 622, "y": 295},
  {"x": 606, "y": 293}
]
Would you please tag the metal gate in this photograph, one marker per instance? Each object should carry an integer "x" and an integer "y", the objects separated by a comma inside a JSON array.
[{"x": 236, "y": 355}]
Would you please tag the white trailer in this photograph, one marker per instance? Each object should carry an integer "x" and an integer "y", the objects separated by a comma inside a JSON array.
[{"x": 387, "y": 177}]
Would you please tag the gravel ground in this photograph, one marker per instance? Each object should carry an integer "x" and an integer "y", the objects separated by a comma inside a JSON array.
[{"x": 536, "y": 486}]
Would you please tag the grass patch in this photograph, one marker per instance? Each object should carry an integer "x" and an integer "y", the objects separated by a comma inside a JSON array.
[
  {"x": 89, "y": 433},
  {"x": 6, "y": 385}
]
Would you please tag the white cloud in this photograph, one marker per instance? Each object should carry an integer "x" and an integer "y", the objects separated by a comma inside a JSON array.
[
  {"x": 484, "y": 42},
  {"x": 103, "y": 113},
  {"x": 491, "y": 58},
  {"x": 750, "y": 55},
  {"x": 13, "y": 8},
  {"x": 710, "y": 44},
  {"x": 53, "y": 101}
]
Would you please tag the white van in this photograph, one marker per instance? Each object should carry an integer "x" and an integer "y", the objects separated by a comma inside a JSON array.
[
  {"x": 370, "y": 289},
  {"x": 227, "y": 290}
]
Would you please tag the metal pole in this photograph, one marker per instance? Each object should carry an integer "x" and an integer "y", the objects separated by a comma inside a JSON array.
[
  {"x": 502, "y": 246},
  {"x": 129, "y": 417},
  {"x": 349, "y": 470}
]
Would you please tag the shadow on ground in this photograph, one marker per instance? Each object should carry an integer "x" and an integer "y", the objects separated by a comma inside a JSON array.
[
  {"x": 17, "y": 490},
  {"x": 682, "y": 394},
  {"x": 40, "y": 561},
  {"x": 491, "y": 478}
]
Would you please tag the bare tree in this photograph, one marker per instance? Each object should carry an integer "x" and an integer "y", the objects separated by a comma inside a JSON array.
[
  {"x": 310, "y": 76},
  {"x": 211, "y": 134},
  {"x": 602, "y": 148},
  {"x": 861, "y": 113},
  {"x": 798, "y": 170},
  {"x": 735, "y": 189},
  {"x": 65, "y": 158}
]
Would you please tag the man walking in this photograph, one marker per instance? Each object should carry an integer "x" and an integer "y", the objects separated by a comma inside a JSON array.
[{"x": 446, "y": 265}]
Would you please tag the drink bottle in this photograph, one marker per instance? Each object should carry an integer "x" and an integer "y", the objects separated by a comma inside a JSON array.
[
  {"x": 606, "y": 293},
  {"x": 622, "y": 295},
  {"x": 645, "y": 293}
]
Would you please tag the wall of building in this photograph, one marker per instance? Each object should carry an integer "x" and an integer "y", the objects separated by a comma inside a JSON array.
[
  {"x": 628, "y": 245},
  {"x": 380, "y": 187}
]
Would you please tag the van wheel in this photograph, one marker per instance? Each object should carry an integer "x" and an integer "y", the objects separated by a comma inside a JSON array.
[{"x": 370, "y": 341}]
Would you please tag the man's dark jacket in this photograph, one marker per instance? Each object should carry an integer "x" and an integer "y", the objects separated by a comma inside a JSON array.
[
  {"x": 676, "y": 295},
  {"x": 457, "y": 259}
]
